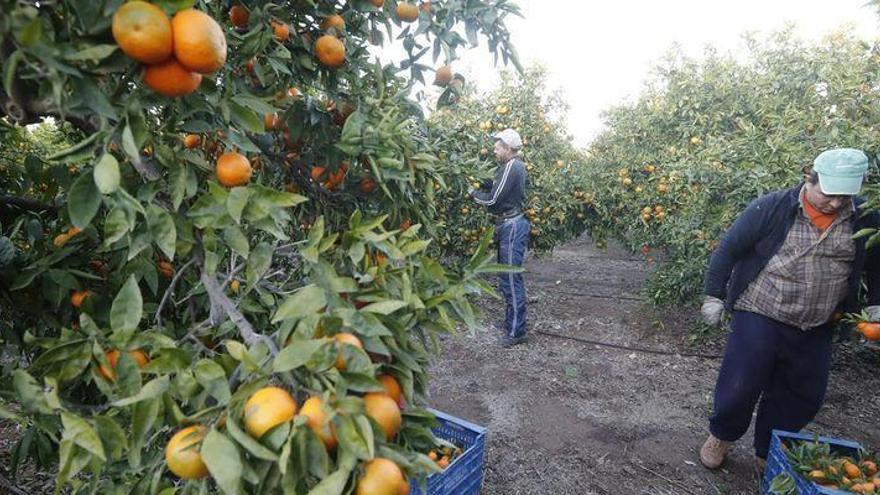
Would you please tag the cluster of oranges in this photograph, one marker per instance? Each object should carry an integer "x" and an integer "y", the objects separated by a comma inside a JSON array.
[
  {"x": 176, "y": 51},
  {"x": 332, "y": 180},
  {"x": 272, "y": 406},
  {"x": 847, "y": 475},
  {"x": 443, "y": 456}
]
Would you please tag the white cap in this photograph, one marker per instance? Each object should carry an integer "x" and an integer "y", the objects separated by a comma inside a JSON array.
[{"x": 509, "y": 137}]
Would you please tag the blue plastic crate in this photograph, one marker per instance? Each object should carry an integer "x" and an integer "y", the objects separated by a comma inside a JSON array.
[
  {"x": 777, "y": 462},
  {"x": 464, "y": 476}
]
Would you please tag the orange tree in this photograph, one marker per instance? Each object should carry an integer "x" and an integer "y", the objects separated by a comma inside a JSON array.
[
  {"x": 675, "y": 167},
  {"x": 557, "y": 204},
  {"x": 218, "y": 243}
]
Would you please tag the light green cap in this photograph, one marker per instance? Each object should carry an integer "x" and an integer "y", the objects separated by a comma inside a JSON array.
[{"x": 841, "y": 171}]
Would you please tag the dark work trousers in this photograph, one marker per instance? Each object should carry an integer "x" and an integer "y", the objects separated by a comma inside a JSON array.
[
  {"x": 783, "y": 366},
  {"x": 513, "y": 239}
]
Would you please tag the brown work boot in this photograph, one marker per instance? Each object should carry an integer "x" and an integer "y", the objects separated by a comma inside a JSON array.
[{"x": 713, "y": 452}]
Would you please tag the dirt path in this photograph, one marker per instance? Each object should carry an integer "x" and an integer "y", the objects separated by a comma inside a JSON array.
[{"x": 571, "y": 418}]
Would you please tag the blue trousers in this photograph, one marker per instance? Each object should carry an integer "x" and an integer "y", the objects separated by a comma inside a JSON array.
[
  {"x": 513, "y": 238},
  {"x": 780, "y": 368}
]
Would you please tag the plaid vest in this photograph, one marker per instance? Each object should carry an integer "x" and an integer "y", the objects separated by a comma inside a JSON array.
[{"x": 806, "y": 280}]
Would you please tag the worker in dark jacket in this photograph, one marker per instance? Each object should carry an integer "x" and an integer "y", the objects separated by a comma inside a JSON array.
[
  {"x": 504, "y": 201},
  {"x": 782, "y": 270}
]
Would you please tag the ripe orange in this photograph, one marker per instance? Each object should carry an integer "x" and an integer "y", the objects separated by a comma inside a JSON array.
[
  {"x": 407, "y": 12},
  {"x": 266, "y": 409},
  {"x": 443, "y": 463},
  {"x": 292, "y": 92},
  {"x": 381, "y": 477},
  {"x": 333, "y": 21},
  {"x": 281, "y": 30},
  {"x": 378, "y": 3},
  {"x": 871, "y": 331},
  {"x": 239, "y": 16},
  {"x": 869, "y": 467},
  {"x": 143, "y": 32},
  {"x": 330, "y": 51},
  {"x": 385, "y": 412},
  {"x": 60, "y": 240},
  {"x": 851, "y": 470},
  {"x": 139, "y": 357},
  {"x": 392, "y": 387},
  {"x": 234, "y": 286},
  {"x": 182, "y": 453},
  {"x": 367, "y": 185},
  {"x": 342, "y": 339},
  {"x": 166, "y": 269},
  {"x": 318, "y": 422},
  {"x": 191, "y": 141},
  {"x": 78, "y": 297},
  {"x": 443, "y": 76},
  {"x": 171, "y": 79},
  {"x": 271, "y": 121},
  {"x": 233, "y": 169},
  {"x": 199, "y": 43}
]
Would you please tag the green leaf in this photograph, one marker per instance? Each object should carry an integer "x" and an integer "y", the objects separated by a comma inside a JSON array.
[
  {"x": 129, "y": 145},
  {"x": 163, "y": 230},
  {"x": 212, "y": 377},
  {"x": 107, "y": 174},
  {"x": 223, "y": 461},
  {"x": 306, "y": 301},
  {"x": 247, "y": 119},
  {"x": 350, "y": 438},
  {"x": 127, "y": 308},
  {"x": 237, "y": 200},
  {"x": 259, "y": 262},
  {"x": 83, "y": 201},
  {"x": 154, "y": 388},
  {"x": 366, "y": 431},
  {"x": 81, "y": 433},
  {"x": 332, "y": 485},
  {"x": 297, "y": 354},
  {"x": 115, "y": 226},
  {"x": 112, "y": 436},
  {"x": 255, "y": 104},
  {"x": 384, "y": 307},
  {"x": 143, "y": 419},
  {"x": 236, "y": 240},
  {"x": 177, "y": 182},
  {"x": 29, "y": 393},
  {"x": 94, "y": 53},
  {"x": 254, "y": 447}
]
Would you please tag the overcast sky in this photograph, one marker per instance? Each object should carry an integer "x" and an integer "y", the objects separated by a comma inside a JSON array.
[{"x": 599, "y": 53}]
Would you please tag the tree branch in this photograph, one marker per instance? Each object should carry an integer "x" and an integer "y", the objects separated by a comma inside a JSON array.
[
  {"x": 219, "y": 300},
  {"x": 170, "y": 290},
  {"x": 26, "y": 204}
]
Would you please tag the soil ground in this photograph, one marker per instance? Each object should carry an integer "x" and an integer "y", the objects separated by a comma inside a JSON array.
[{"x": 565, "y": 417}]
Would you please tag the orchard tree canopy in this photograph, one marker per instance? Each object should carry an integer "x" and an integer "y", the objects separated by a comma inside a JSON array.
[{"x": 213, "y": 267}]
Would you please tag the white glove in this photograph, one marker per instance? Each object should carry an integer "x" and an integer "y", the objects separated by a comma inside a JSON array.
[
  {"x": 712, "y": 310},
  {"x": 873, "y": 313}
]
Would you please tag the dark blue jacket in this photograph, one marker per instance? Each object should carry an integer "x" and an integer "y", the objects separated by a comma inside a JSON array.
[{"x": 758, "y": 233}]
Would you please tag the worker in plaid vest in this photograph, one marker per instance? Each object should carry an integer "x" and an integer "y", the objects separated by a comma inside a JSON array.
[{"x": 784, "y": 268}]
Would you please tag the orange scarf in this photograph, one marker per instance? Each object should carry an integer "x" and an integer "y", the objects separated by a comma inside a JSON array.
[{"x": 821, "y": 220}]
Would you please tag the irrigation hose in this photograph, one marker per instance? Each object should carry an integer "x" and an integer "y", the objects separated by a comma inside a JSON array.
[{"x": 630, "y": 348}]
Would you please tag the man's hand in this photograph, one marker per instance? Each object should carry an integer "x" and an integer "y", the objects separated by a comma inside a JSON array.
[
  {"x": 873, "y": 313},
  {"x": 712, "y": 310}
]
